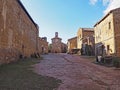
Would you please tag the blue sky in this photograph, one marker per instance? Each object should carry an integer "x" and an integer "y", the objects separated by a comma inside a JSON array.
[{"x": 65, "y": 16}]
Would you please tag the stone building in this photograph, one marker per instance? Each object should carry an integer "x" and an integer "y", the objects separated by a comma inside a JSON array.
[
  {"x": 43, "y": 45},
  {"x": 72, "y": 44},
  {"x": 57, "y": 46},
  {"x": 107, "y": 34},
  {"x": 64, "y": 48},
  {"x": 85, "y": 41},
  {"x": 18, "y": 31}
]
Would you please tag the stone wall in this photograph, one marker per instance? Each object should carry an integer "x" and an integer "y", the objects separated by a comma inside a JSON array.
[
  {"x": 85, "y": 41},
  {"x": 116, "y": 19},
  {"x": 87, "y": 34},
  {"x": 72, "y": 44},
  {"x": 79, "y": 37},
  {"x": 42, "y": 46},
  {"x": 104, "y": 36},
  {"x": 64, "y": 48},
  {"x": 56, "y": 45},
  {"x": 18, "y": 32},
  {"x": 82, "y": 35}
]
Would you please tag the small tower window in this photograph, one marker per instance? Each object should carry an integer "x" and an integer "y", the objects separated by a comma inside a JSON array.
[
  {"x": 109, "y": 25},
  {"x": 108, "y": 47}
]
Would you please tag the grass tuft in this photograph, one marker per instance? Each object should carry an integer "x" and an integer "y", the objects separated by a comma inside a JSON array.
[{"x": 18, "y": 76}]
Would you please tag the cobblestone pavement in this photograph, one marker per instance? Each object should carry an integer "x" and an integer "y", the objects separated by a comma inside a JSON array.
[{"x": 77, "y": 73}]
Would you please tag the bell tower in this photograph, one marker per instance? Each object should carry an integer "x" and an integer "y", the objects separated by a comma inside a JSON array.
[{"x": 56, "y": 34}]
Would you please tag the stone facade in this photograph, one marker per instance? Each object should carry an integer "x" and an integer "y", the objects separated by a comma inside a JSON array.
[
  {"x": 57, "y": 46},
  {"x": 107, "y": 34},
  {"x": 85, "y": 41},
  {"x": 64, "y": 48},
  {"x": 18, "y": 32},
  {"x": 72, "y": 44},
  {"x": 43, "y": 45}
]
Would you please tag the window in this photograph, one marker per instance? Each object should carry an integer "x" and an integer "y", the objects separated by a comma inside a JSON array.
[
  {"x": 109, "y": 27},
  {"x": 108, "y": 47}
]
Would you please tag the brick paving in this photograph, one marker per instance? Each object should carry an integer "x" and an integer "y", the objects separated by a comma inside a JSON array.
[{"x": 78, "y": 73}]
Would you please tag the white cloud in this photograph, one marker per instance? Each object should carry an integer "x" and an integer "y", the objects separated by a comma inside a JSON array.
[
  {"x": 93, "y": 2},
  {"x": 110, "y": 4},
  {"x": 105, "y": 2},
  {"x": 113, "y": 4}
]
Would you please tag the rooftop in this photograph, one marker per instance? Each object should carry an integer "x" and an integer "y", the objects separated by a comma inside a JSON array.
[
  {"x": 72, "y": 38},
  {"x": 87, "y": 29},
  {"x": 20, "y": 3},
  {"x": 106, "y": 16}
]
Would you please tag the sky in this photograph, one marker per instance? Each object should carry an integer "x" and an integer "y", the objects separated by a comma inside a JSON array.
[{"x": 67, "y": 16}]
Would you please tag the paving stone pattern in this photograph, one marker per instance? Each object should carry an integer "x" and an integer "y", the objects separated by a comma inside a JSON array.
[{"x": 77, "y": 73}]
